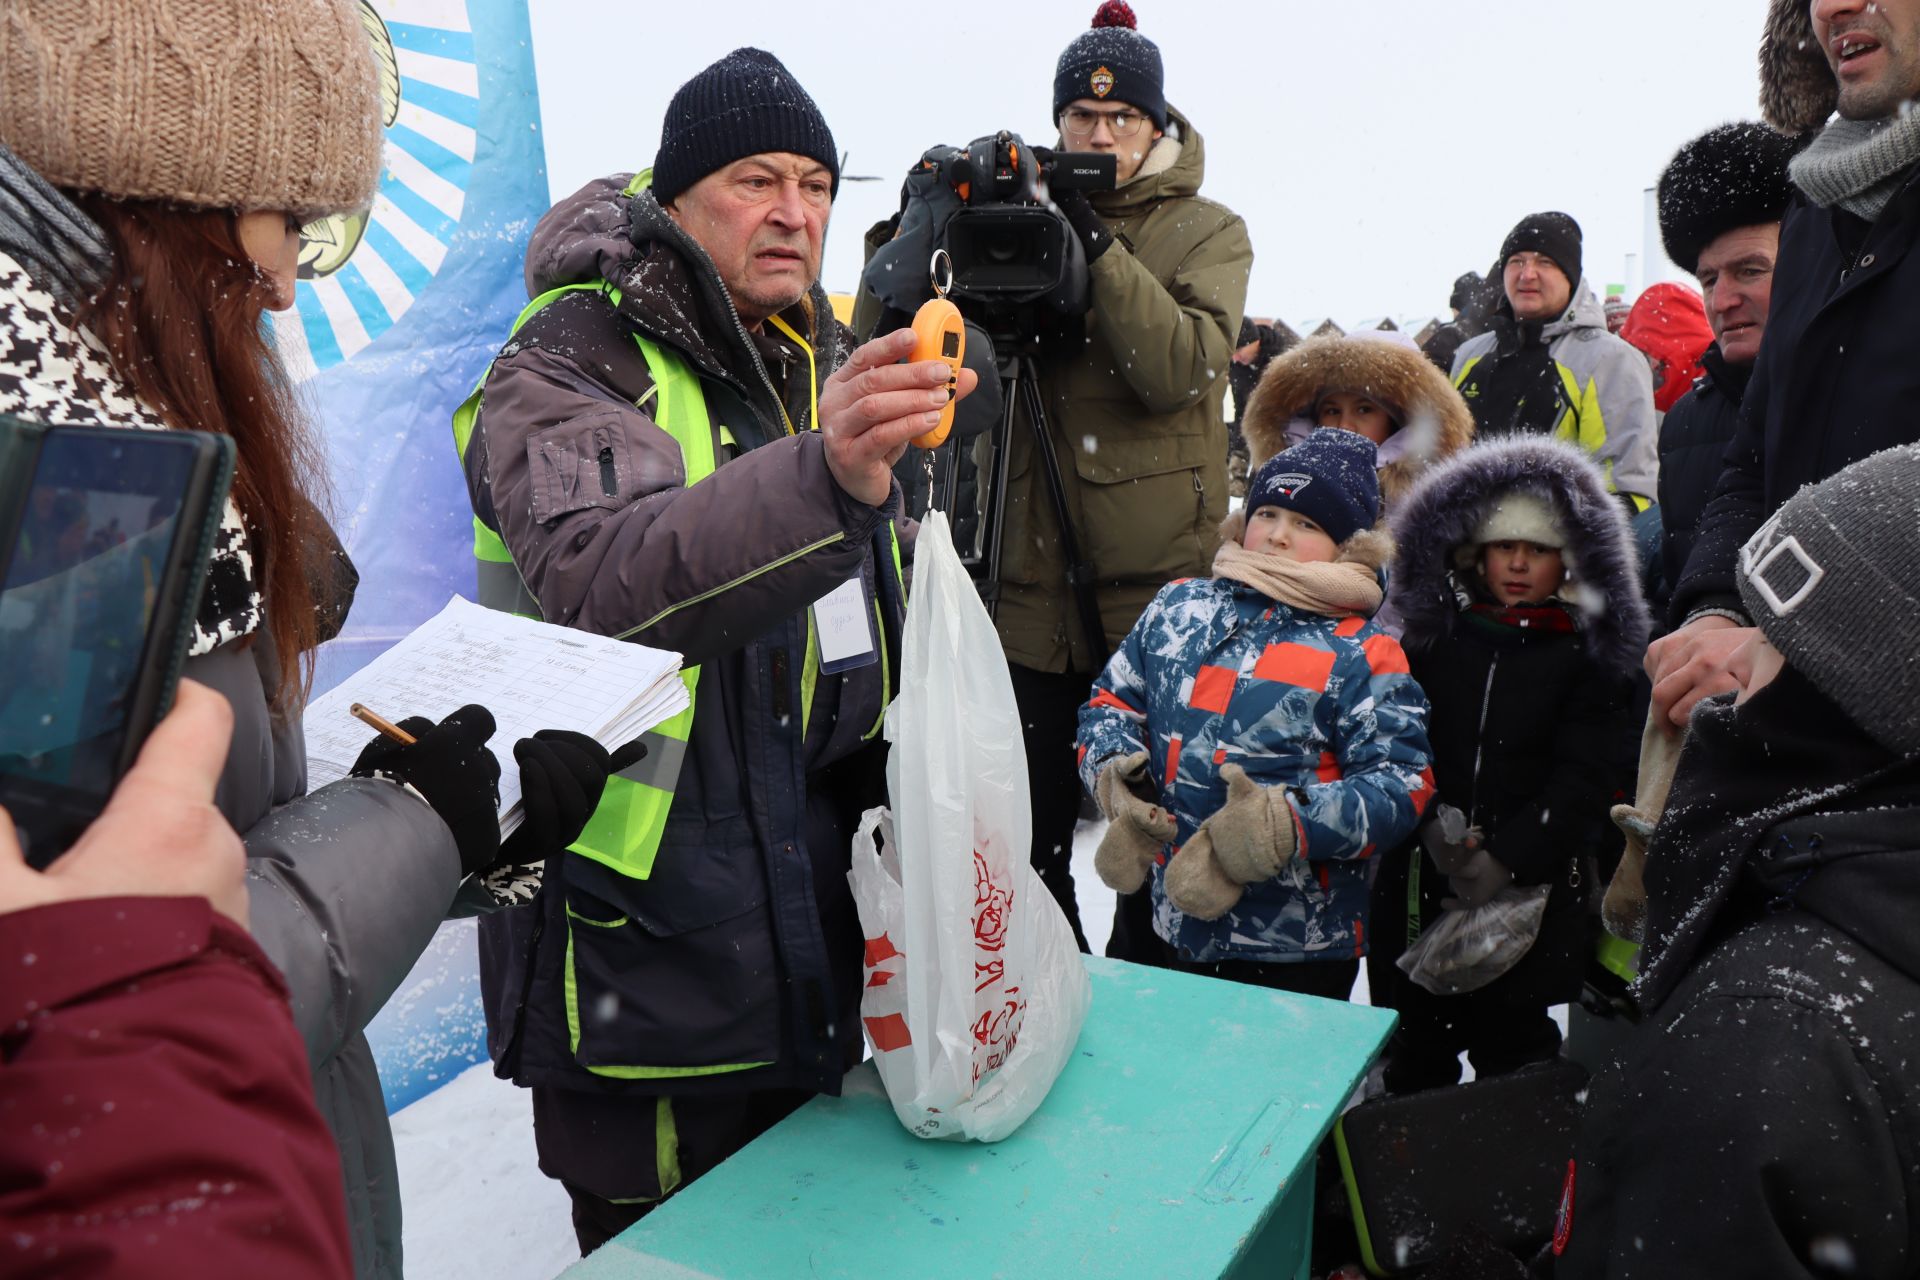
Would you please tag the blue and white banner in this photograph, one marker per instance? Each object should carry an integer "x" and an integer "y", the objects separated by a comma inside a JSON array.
[
  {"x": 396, "y": 315},
  {"x": 398, "y": 310}
]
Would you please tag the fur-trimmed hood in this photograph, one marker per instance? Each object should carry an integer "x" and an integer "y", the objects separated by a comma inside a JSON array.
[
  {"x": 1797, "y": 89},
  {"x": 1448, "y": 504},
  {"x": 1437, "y": 421}
]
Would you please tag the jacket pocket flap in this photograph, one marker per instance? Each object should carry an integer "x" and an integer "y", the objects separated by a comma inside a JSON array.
[
  {"x": 1120, "y": 453},
  {"x": 580, "y": 464},
  {"x": 691, "y": 887}
]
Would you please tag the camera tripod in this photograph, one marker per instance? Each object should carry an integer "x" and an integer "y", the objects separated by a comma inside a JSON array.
[{"x": 983, "y": 551}]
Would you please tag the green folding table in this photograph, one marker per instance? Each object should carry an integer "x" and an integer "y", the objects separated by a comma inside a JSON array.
[{"x": 1178, "y": 1142}]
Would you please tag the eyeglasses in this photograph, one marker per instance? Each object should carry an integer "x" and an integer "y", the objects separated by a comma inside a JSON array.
[{"x": 1080, "y": 122}]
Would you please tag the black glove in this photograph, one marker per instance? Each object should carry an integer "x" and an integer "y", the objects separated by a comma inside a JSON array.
[
  {"x": 1087, "y": 225},
  {"x": 451, "y": 766},
  {"x": 561, "y": 777}
]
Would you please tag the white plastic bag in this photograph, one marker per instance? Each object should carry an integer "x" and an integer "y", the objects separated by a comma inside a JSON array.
[
  {"x": 975, "y": 990},
  {"x": 1468, "y": 947}
]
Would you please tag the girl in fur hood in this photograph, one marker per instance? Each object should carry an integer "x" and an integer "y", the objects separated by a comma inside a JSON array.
[
  {"x": 1515, "y": 577},
  {"x": 1255, "y": 739},
  {"x": 1375, "y": 383}
]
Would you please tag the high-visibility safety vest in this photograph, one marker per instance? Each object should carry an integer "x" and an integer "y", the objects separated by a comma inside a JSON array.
[{"x": 624, "y": 831}]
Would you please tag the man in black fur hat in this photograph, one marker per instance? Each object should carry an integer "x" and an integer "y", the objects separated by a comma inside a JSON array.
[
  {"x": 1720, "y": 199},
  {"x": 1835, "y": 378}
]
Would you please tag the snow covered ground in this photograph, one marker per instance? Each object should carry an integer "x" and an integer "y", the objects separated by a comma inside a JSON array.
[{"x": 478, "y": 1208}]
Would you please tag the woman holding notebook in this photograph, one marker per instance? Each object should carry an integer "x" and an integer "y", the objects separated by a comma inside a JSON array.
[{"x": 150, "y": 209}]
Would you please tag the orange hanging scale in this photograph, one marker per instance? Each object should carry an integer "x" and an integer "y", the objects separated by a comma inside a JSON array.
[{"x": 940, "y": 334}]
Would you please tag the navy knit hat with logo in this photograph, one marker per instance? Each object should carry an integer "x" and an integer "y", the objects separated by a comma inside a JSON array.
[
  {"x": 746, "y": 104},
  {"x": 1834, "y": 580},
  {"x": 1329, "y": 478},
  {"x": 1112, "y": 63}
]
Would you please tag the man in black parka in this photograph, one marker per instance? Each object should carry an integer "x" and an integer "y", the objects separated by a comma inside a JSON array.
[
  {"x": 1720, "y": 202},
  {"x": 1837, "y": 375},
  {"x": 1764, "y": 1117}
]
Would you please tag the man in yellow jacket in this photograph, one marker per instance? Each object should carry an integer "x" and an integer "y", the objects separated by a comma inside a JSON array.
[{"x": 1133, "y": 404}]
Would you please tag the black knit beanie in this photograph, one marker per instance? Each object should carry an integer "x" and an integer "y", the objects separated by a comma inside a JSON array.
[
  {"x": 1552, "y": 235},
  {"x": 1112, "y": 63},
  {"x": 746, "y": 104}
]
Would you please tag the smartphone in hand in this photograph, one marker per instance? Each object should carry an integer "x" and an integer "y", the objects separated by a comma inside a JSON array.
[{"x": 105, "y": 537}]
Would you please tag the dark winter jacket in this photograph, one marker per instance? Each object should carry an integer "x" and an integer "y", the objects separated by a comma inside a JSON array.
[
  {"x": 1693, "y": 440},
  {"x": 160, "y": 1112},
  {"x": 347, "y": 885},
  {"x": 741, "y": 951},
  {"x": 1764, "y": 1119},
  {"x": 1134, "y": 404},
  {"x": 1835, "y": 380},
  {"x": 1532, "y": 732}
]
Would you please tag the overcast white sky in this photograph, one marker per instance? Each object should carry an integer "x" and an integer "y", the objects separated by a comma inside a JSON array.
[{"x": 1376, "y": 148}]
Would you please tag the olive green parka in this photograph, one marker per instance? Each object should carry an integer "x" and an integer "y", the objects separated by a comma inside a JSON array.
[{"x": 1134, "y": 412}]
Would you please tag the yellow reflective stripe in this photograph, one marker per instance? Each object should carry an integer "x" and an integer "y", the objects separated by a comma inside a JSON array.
[
  {"x": 1618, "y": 956},
  {"x": 1367, "y": 1258},
  {"x": 809, "y": 676},
  {"x": 572, "y": 985},
  {"x": 1591, "y": 433},
  {"x": 624, "y": 832},
  {"x": 880, "y": 629},
  {"x": 1465, "y": 370},
  {"x": 488, "y": 545},
  {"x": 666, "y": 1148},
  {"x": 813, "y": 376},
  {"x": 682, "y": 411},
  {"x": 749, "y": 576},
  {"x": 598, "y": 924}
]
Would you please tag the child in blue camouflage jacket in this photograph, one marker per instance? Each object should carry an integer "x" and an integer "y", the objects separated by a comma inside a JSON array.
[{"x": 1256, "y": 740}]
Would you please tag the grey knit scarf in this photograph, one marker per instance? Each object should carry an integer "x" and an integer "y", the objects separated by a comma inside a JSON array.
[{"x": 1859, "y": 164}]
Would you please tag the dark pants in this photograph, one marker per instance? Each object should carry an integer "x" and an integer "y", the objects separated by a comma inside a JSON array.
[
  {"x": 1049, "y": 722},
  {"x": 1133, "y": 938},
  {"x": 1328, "y": 979},
  {"x": 689, "y": 1139},
  {"x": 1497, "y": 1036}
]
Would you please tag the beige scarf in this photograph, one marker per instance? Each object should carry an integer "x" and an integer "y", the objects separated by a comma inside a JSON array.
[{"x": 1344, "y": 586}]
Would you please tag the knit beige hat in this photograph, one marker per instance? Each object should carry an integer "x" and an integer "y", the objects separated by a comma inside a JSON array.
[{"x": 225, "y": 104}]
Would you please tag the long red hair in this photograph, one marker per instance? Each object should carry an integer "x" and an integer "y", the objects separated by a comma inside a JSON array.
[{"x": 181, "y": 317}]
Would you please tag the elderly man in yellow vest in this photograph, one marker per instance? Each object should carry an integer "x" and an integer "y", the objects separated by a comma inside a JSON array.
[{"x": 680, "y": 444}]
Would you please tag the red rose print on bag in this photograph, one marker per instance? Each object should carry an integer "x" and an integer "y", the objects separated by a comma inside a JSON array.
[{"x": 992, "y": 908}]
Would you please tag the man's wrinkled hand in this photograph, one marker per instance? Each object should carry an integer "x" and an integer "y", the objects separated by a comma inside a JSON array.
[
  {"x": 873, "y": 406},
  {"x": 1693, "y": 663}
]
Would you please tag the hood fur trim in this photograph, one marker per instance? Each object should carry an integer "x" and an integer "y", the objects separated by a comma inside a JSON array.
[
  {"x": 1797, "y": 89},
  {"x": 1440, "y": 420},
  {"x": 1449, "y": 504},
  {"x": 1371, "y": 547}
]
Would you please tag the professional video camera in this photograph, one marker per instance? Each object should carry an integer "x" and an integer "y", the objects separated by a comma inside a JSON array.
[
  {"x": 987, "y": 205},
  {"x": 1020, "y": 275}
]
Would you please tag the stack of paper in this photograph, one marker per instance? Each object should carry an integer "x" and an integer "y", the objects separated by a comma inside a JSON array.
[{"x": 531, "y": 675}]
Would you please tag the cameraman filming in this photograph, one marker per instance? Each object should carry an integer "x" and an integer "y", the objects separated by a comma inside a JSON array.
[{"x": 1134, "y": 411}]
